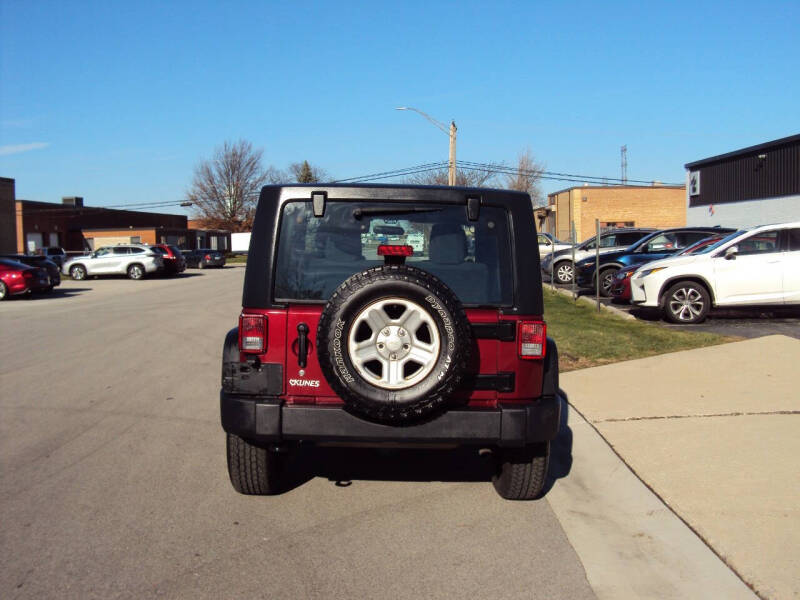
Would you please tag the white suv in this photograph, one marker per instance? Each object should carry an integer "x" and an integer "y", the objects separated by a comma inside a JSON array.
[
  {"x": 133, "y": 260},
  {"x": 753, "y": 267}
]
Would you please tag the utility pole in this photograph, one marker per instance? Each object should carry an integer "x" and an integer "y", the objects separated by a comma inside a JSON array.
[
  {"x": 451, "y": 171},
  {"x": 623, "y": 151}
]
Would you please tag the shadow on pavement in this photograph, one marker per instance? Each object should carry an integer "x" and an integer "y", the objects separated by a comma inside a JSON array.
[
  {"x": 560, "y": 449},
  {"x": 345, "y": 465},
  {"x": 58, "y": 292}
]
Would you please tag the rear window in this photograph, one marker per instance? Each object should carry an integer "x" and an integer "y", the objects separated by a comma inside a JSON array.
[{"x": 315, "y": 255}]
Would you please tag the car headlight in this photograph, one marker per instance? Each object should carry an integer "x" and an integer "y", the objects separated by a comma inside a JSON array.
[{"x": 647, "y": 272}]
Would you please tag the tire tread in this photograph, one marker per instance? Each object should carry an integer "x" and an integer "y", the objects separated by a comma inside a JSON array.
[{"x": 433, "y": 401}]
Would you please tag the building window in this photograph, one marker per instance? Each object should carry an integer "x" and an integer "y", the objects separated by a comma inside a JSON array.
[
  {"x": 610, "y": 224},
  {"x": 136, "y": 239},
  {"x": 213, "y": 242},
  {"x": 224, "y": 243}
]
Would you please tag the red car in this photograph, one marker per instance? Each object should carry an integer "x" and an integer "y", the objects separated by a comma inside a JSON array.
[
  {"x": 174, "y": 262},
  {"x": 16, "y": 278},
  {"x": 621, "y": 284}
]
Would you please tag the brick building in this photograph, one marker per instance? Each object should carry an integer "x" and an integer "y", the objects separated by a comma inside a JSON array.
[
  {"x": 27, "y": 225},
  {"x": 615, "y": 206},
  {"x": 216, "y": 239}
]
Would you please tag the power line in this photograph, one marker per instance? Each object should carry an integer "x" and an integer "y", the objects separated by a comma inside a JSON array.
[{"x": 499, "y": 168}]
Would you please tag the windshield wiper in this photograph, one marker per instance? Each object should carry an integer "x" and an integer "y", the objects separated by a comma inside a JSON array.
[{"x": 376, "y": 210}]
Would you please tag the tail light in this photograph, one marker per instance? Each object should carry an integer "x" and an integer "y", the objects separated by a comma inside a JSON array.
[
  {"x": 27, "y": 274},
  {"x": 208, "y": 257},
  {"x": 253, "y": 333},
  {"x": 532, "y": 339}
]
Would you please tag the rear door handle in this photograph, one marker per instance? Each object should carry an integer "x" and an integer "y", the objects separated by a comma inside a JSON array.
[{"x": 302, "y": 344}]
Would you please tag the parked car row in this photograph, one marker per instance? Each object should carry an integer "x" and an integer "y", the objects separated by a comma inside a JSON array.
[
  {"x": 686, "y": 271},
  {"x": 41, "y": 272},
  {"x": 139, "y": 260}
]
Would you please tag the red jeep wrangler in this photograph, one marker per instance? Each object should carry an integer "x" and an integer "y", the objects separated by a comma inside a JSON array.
[{"x": 375, "y": 314}]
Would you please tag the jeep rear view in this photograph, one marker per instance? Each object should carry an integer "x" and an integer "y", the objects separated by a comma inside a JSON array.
[{"x": 379, "y": 315}]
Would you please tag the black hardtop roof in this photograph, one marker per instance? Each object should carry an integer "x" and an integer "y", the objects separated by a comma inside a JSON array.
[
  {"x": 258, "y": 282},
  {"x": 399, "y": 193}
]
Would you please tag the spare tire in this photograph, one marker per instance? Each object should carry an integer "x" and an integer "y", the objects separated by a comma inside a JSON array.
[{"x": 393, "y": 342}]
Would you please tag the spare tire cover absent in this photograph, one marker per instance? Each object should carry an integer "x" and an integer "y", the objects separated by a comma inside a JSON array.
[{"x": 393, "y": 343}]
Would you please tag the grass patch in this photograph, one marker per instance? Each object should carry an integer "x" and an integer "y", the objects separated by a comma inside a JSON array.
[
  {"x": 237, "y": 259},
  {"x": 587, "y": 338}
]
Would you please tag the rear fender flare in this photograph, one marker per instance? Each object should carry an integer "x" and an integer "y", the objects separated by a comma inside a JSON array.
[{"x": 550, "y": 374}]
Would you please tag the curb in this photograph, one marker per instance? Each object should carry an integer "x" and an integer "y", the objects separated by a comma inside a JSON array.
[{"x": 591, "y": 301}]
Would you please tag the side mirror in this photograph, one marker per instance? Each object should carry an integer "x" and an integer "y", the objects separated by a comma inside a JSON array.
[{"x": 730, "y": 253}]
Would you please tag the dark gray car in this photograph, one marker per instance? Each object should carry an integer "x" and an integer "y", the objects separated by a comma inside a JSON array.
[{"x": 203, "y": 257}]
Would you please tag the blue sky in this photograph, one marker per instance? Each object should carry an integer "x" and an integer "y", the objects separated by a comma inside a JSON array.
[{"x": 117, "y": 101}]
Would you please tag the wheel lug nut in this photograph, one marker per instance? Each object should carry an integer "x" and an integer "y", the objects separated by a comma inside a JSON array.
[
  {"x": 386, "y": 331},
  {"x": 380, "y": 346},
  {"x": 405, "y": 346},
  {"x": 401, "y": 332},
  {"x": 394, "y": 356}
]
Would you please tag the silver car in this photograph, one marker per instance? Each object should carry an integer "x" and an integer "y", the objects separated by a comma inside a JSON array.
[{"x": 133, "y": 260}]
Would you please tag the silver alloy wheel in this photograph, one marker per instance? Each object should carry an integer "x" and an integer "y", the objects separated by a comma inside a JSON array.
[
  {"x": 564, "y": 272},
  {"x": 135, "y": 272},
  {"x": 403, "y": 341},
  {"x": 606, "y": 281},
  {"x": 77, "y": 272},
  {"x": 3, "y": 290},
  {"x": 686, "y": 303}
]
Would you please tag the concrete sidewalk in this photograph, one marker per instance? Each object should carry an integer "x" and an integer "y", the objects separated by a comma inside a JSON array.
[{"x": 714, "y": 432}]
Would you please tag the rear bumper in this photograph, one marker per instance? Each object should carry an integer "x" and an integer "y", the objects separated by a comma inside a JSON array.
[{"x": 270, "y": 420}]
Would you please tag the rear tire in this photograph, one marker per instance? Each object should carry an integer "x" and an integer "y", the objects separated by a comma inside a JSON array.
[
  {"x": 607, "y": 280},
  {"x": 3, "y": 291},
  {"x": 564, "y": 272},
  {"x": 521, "y": 472},
  {"x": 78, "y": 272},
  {"x": 136, "y": 272},
  {"x": 255, "y": 470}
]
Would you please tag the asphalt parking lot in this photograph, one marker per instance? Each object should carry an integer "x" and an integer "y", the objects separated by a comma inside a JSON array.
[
  {"x": 745, "y": 323},
  {"x": 112, "y": 463}
]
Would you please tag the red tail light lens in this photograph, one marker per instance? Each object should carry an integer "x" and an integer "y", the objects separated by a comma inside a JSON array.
[
  {"x": 253, "y": 333},
  {"x": 532, "y": 339},
  {"x": 395, "y": 250},
  {"x": 27, "y": 274},
  {"x": 208, "y": 257}
]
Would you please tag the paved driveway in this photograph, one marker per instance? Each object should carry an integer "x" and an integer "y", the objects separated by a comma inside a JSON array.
[{"x": 113, "y": 479}]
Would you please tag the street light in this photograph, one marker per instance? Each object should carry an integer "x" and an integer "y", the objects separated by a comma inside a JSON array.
[{"x": 451, "y": 171}]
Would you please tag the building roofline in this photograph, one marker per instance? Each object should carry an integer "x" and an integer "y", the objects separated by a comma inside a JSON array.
[
  {"x": 744, "y": 151},
  {"x": 617, "y": 187}
]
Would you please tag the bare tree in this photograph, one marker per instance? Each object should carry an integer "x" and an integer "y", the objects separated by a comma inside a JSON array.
[
  {"x": 464, "y": 177},
  {"x": 527, "y": 178},
  {"x": 225, "y": 188},
  {"x": 303, "y": 172}
]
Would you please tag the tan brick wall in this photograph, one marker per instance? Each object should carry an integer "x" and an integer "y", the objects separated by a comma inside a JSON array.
[
  {"x": 658, "y": 207},
  {"x": 108, "y": 237}
]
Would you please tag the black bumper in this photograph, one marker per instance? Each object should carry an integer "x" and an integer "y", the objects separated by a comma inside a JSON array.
[{"x": 269, "y": 420}]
